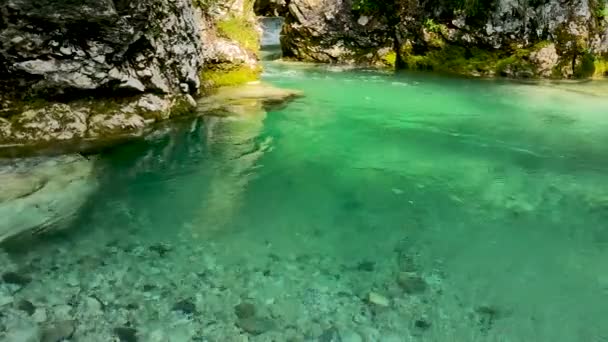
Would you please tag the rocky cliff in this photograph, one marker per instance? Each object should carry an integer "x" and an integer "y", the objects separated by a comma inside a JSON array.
[
  {"x": 98, "y": 69},
  {"x": 513, "y": 38}
]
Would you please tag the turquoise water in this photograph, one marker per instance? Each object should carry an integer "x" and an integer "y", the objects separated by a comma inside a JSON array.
[{"x": 477, "y": 210}]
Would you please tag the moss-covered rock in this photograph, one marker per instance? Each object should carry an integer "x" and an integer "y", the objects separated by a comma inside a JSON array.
[
  {"x": 241, "y": 31},
  {"x": 42, "y": 122},
  {"x": 230, "y": 76},
  {"x": 540, "y": 39},
  {"x": 232, "y": 56},
  {"x": 601, "y": 67}
]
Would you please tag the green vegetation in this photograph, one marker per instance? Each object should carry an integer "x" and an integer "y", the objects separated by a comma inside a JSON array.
[
  {"x": 601, "y": 67},
  {"x": 586, "y": 67},
  {"x": 240, "y": 30},
  {"x": 452, "y": 59},
  {"x": 461, "y": 60},
  {"x": 390, "y": 59},
  {"x": 235, "y": 75},
  {"x": 600, "y": 10},
  {"x": 432, "y": 26}
]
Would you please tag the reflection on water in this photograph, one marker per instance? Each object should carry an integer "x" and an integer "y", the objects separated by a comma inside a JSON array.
[{"x": 378, "y": 207}]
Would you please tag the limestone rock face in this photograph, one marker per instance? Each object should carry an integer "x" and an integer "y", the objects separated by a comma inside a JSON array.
[
  {"x": 125, "y": 46},
  {"x": 329, "y": 31},
  {"x": 271, "y": 8},
  {"x": 552, "y": 38}
]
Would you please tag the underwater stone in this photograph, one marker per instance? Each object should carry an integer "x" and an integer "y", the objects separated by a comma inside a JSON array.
[
  {"x": 126, "y": 334},
  {"x": 422, "y": 324},
  {"x": 24, "y": 334},
  {"x": 39, "y": 315},
  {"x": 378, "y": 299},
  {"x": 411, "y": 283},
  {"x": 244, "y": 310},
  {"x": 486, "y": 316},
  {"x": 330, "y": 335},
  {"x": 366, "y": 266},
  {"x": 161, "y": 249},
  {"x": 185, "y": 306},
  {"x": 256, "y": 325},
  {"x": 16, "y": 278},
  {"x": 350, "y": 336},
  {"x": 93, "y": 306},
  {"x": 42, "y": 194},
  {"x": 58, "y": 332},
  {"x": 26, "y": 306}
]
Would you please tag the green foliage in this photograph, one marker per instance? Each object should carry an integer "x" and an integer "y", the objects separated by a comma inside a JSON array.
[
  {"x": 601, "y": 12},
  {"x": 586, "y": 67},
  {"x": 432, "y": 26},
  {"x": 601, "y": 67},
  {"x": 240, "y": 30}
]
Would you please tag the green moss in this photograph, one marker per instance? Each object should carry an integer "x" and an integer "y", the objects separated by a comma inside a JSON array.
[
  {"x": 432, "y": 26},
  {"x": 240, "y": 30},
  {"x": 390, "y": 59},
  {"x": 219, "y": 77},
  {"x": 601, "y": 67},
  {"x": 181, "y": 107},
  {"x": 585, "y": 66},
  {"x": 453, "y": 59}
]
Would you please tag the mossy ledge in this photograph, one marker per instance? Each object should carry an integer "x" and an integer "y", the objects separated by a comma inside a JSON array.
[
  {"x": 539, "y": 60},
  {"x": 229, "y": 75}
]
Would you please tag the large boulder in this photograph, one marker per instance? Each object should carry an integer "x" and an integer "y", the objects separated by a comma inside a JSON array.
[
  {"x": 100, "y": 69},
  {"x": 41, "y": 194},
  {"x": 59, "y": 46}
]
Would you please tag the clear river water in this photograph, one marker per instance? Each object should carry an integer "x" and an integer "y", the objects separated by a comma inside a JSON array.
[{"x": 377, "y": 207}]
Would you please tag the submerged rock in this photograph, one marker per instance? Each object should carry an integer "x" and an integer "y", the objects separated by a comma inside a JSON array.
[
  {"x": 16, "y": 278},
  {"x": 57, "y": 332},
  {"x": 366, "y": 266},
  {"x": 411, "y": 283},
  {"x": 226, "y": 99},
  {"x": 26, "y": 306},
  {"x": 41, "y": 194},
  {"x": 126, "y": 334},
  {"x": 185, "y": 306},
  {"x": 244, "y": 310},
  {"x": 256, "y": 325},
  {"x": 330, "y": 335},
  {"x": 377, "y": 299},
  {"x": 24, "y": 334}
]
